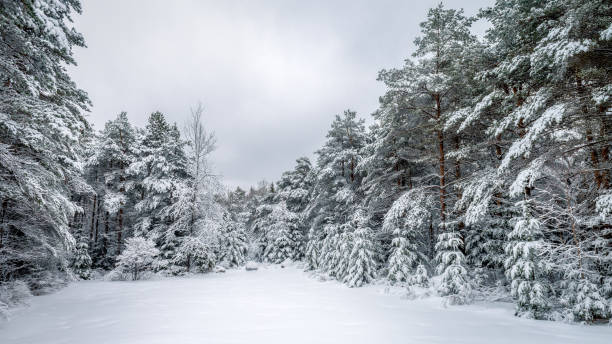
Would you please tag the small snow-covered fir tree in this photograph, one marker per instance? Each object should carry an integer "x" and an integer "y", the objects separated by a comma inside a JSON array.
[
  {"x": 585, "y": 301},
  {"x": 344, "y": 247},
  {"x": 237, "y": 247},
  {"x": 138, "y": 256},
  {"x": 361, "y": 262},
  {"x": 312, "y": 255},
  {"x": 455, "y": 284},
  {"x": 285, "y": 238},
  {"x": 405, "y": 219},
  {"x": 420, "y": 277},
  {"x": 403, "y": 257},
  {"x": 284, "y": 246},
  {"x": 329, "y": 256},
  {"x": 523, "y": 267},
  {"x": 82, "y": 260},
  {"x": 234, "y": 241}
]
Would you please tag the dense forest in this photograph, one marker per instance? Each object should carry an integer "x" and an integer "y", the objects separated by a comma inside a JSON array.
[{"x": 486, "y": 171}]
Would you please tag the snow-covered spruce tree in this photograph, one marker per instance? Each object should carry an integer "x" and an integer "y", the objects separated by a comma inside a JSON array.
[
  {"x": 420, "y": 277},
  {"x": 285, "y": 238},
  {"x": 342, "y": 253},
  {"x": 294, "y": 186},
  {"x": 41, "y": 130},
  {"x": 334, "y": 192},
  {"x": 402, "y": 258},
  {"x": 82, "y": 261},
  {"x": 234, "y": 240},
  {"x": 283, "y": 220},
  {"x": 161, "y": 169},
  {"x": 455, "y": 284},
  {"x": 312, "y": 255},
  {"x": 328, "y": 257},
  {"x": 264, "y": 202},
  {"x": 406, "y": 218},
  {"x": 523, "y": 265},
  {"x": 362, "y": 265},
  {"x": 137, "y": 257},
  {"x": 336, "y": 249},
  {"x": 583, "y": 299}
]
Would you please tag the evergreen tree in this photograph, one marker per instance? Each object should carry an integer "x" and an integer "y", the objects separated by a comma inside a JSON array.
[
  {"x": 523, "y": 267},
  {"x": 42, "y": 127},
  {"x": 420, "y": 277},
  {"x": 82, "y": 260},
  {"x": 284, "y": 237},
  {"x": 161, "y": 171},
  {"x": 107, "y": 163},
  {"x": 403, "y": 257},
  {"x": 235, "y": 240},
  {"x": 361, "y": 263}
]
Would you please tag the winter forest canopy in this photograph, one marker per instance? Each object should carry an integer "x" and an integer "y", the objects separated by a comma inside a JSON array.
[{"x": 486, "y": 171}]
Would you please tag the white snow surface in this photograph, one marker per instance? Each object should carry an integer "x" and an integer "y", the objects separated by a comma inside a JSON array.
[{"x": 270, "y": 305}]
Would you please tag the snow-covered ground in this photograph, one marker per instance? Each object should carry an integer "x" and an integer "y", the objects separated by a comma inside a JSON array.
[{"x": 270, "y": 305}]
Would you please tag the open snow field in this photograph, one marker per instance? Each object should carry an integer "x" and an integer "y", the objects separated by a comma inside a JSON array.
[{"x": 271, "y": 305}]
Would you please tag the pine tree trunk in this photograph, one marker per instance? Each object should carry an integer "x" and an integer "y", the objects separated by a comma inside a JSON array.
[
  {"x": 458, "y": 168},
  {"x": 93, "y": 217},
  {"x": 441, "y": 160},
  {"x": 605, "y": 150},
  {"x": 4, "y": 207},
  {"x": 105, "y": 236},
  {"x": 119, "y": 231},
  {"x": 97, "y": 222},
  {"x": 122, "y": 191},
  {"x": 431, "y": 237},
  {"x": 460, "y": 224}
]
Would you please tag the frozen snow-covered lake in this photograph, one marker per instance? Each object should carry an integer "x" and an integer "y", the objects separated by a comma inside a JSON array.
[{"x": 271, "y": 305}]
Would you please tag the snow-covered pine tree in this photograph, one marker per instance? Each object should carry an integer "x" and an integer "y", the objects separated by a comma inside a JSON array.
[
  {"x": 285, "y": 238},
  {"x": 41, "y": 130},
  {"x": 583, "y": 299},
  {"x": 312, "y": 255},
  {"x": 361, "y": 263},
  {"x": 420, "y": 277},
  {"x": 82, "y": 261},
  {"x": 161, "y": 170},
  {"x": 334, "y": 192},
  {"x": 455, "y": 284},
  {"x": 402, "y": 258},
  {"x": 523, "y": 265},
  {"x": 110, "y": 157},
  {"x": 264, "y": 203},
  {"x": 407, "y": 218},
  {"x": 235, "y": 242}
]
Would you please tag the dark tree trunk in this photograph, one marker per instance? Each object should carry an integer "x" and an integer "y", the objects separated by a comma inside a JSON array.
[{"x": 93, "y": 217}]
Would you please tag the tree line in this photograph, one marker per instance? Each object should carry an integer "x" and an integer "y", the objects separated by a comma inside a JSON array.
[{"x": 486, "y": 170}]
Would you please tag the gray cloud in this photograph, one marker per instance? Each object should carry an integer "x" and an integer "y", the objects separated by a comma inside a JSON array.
[{"x": 271, "y": 74}]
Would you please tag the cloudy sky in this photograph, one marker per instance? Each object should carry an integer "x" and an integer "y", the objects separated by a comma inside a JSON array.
[{"x": 271, "y": 74}]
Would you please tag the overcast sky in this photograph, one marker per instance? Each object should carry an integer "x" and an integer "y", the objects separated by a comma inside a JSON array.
[{"x": 271, "y": 74}]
